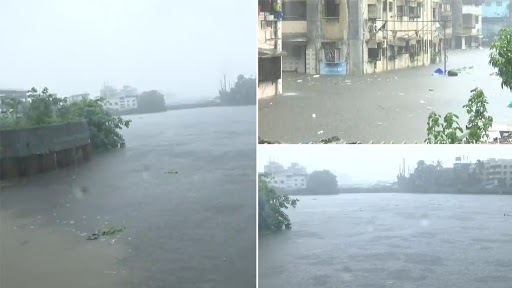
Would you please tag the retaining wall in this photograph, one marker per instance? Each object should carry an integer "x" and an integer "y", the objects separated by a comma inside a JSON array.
[{"x": 25, "y": 152}]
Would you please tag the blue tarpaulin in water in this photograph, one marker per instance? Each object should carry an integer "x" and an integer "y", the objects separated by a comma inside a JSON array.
[
  {"x": 438, "y": 71},
  {"x": 509, "y": 104}
]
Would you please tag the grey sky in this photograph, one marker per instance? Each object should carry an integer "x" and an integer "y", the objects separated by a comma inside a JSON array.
[
  {"x": 73, "y": 46},
  {"x": 370, "y": 163}
]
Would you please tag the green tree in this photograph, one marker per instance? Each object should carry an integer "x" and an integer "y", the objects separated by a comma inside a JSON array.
[
  {"x": 449, "y": 131},
  {"x": 151, "y": 101},
  {"x": 322, "y": 182},
  {"x": 271, "y": 206},
  {"x": 243, "y": 93},
  {"x": 501, "y": 57},
  {"x": 42, "y": 107},
  {"x": 103, "y": 126}
]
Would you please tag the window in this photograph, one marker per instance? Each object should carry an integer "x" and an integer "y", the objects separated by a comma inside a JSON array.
[
  {"x": 487, "y": 3},
  {"x": 294, "y": 11},
  {"x": 269, "y": 69},
  {"x": 390, "y": 6},
  {"x": 332, "y": 54},
  {"x": 400, "y": 11},
  {"x": 499, "y": 3},
  {"x": 331, "y": 9},
  {"x": 384, "y": 6}
]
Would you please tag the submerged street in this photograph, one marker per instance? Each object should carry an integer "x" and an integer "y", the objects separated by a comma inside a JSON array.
[
  {"x": 391, "y": 106},
  {"x": 195, "y": 228},
  {"x": 391, "y": 240}
]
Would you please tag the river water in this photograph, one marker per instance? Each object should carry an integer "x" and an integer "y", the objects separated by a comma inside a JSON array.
[
  {"x": 191, "y": 229},
  {"x": 392, "y": 240},
  {"x": 392, "y": 106}
]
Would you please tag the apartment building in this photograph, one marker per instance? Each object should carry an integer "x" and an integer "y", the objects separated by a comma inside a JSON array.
[
  {"x": 399, "y": 34},
  {"x": 293, "y": 177},
  {"x": 495, "y": 15},
  {"x": 498, "y": 172},
  {"x": 315, "y": 36},
  {"x": 467, "y": 24},
  {"x": 269, "y": 49}
]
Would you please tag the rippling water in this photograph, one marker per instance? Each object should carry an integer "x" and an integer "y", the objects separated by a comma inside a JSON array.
[
  {"x": 191, "y": 229},
  {"x": 392, "y": 240}
]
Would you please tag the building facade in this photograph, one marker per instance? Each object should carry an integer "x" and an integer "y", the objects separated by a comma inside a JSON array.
[
  {"x": 495, "y": 15},
  {"x": 293, "y": 177},
  {"x": 78, "y": 97},
  {"x": 400, "y": 34},
  {"x": 315, "y": 36},
  {"x": 121, "y": 103},
  {"x": 269, "y": 49},
  {"x": 467, "y": 24},
  {"x": 498, "y": 172}
]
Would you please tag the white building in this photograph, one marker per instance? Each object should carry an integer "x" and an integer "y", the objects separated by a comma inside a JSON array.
[
  {"x": 498, "y": 172},
  {"x": 292, "y": 178},
  {"x": 78, "y": 97},
  {"x": 471, "y": 24},
  {"x": 121, "y": 103}
]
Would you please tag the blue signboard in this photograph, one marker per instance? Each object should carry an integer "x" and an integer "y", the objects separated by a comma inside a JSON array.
[{"x": 333, "y": 68}]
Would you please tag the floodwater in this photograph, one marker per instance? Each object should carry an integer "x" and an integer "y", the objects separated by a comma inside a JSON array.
[
  {"x": 391, "y": 106},
  {"x": 392, "y": 240},
  {"x": 191, "y": 229}
]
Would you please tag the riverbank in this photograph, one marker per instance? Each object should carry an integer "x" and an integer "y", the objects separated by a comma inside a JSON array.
[
  {"x": 177, "y": 107},
  {"x": 383, "y": 190}
]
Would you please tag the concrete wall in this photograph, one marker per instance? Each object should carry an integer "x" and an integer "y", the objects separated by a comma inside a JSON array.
[
  {"x": 267, "y": 89},
  {"x": 24, "y": 152},
  {"x": 355, "y": 37}
]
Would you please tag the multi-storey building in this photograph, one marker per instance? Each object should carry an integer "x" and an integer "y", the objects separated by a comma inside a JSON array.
[
  {"x": 495, "y": 15},
  {"x": 498, "y": 172},
  {"x": 269, "y": 50},
  {"x": 399, "y": 34},
  {"x": 466, "y": 24},
  {"x": 292, "y": 178},
  {"x": 315, "y": 36}
]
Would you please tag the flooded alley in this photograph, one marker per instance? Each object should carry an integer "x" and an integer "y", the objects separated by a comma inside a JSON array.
[
  {"x": 391, "y": 106},
  {"x": 391, "y": 240},
  {"x": 176, "y": 187}
]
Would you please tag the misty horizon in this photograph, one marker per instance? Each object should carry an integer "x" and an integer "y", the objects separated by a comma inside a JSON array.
[
  {"x": 74, "y": 47},
  {"x": 351, "y": 163}
]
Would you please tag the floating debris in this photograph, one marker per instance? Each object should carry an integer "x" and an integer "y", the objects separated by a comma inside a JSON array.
[
  {"x": 93, "y": 236},
  {"x": 112, "y": 230},
  {"x": 171, "y": 172}
]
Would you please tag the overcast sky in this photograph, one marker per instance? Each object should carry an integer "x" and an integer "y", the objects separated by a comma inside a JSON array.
[
  {"x": 73, "y": 46},
  {"x": 370, "y": 163}
]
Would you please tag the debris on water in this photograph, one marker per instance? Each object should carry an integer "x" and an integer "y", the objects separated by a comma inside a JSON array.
[
  {"x": 316, "y": 76},
  {"x": 71, "y": 222},
  {"x": 330, "y": 140},
  {"x": 93, "y": 236},
  {"x": 379, "y": 123},
  {"x": 422, "y": 102},
  {"x": 401, "y": 94},
  {"x": 348, "y": 81},
  {"x": 171, "y": 172},
  {"x": 298, "y": 81},
  {"x": 431, "y": 89},
  {"x": 112, "y": 230},
  {"x": 265, "y": 141},
  {"x": 453, "y": 73},
  {"x": 438, "y": 72},
  {"x": 313, "y": 115},
  {"x": 320, "y": 132},
  {"x": 509, "y": 104}
]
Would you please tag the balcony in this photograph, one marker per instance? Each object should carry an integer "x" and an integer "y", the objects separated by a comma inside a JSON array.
[
  {"x": 294, "y": 27},
  {"x": 374, "y": 11}
]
